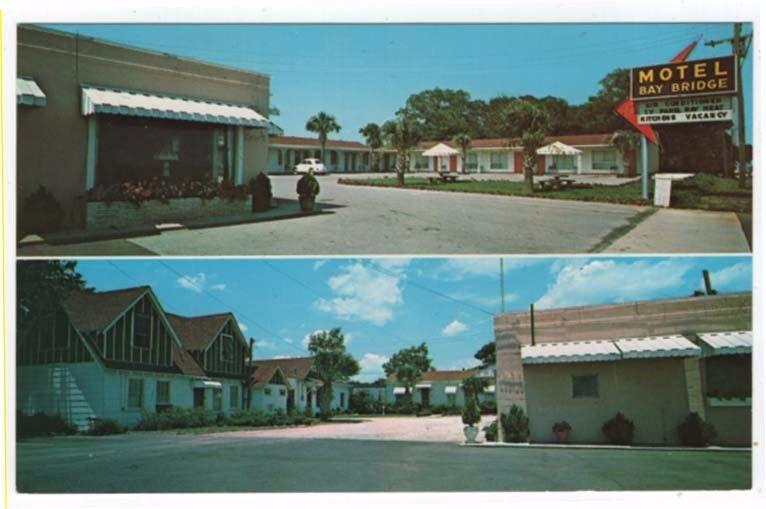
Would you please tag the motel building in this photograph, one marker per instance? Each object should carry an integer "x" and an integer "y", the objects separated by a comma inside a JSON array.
[
  {"x": 341, "y": 156},
  {"x": 591, "y": 154},
  {"x": 441, "y": 387},
  {"x": 654, "y": 361},
  {"x": 92, "y": 113}
]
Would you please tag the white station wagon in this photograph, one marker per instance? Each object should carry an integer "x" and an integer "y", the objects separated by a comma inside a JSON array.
[{"x": 311, "y": 164}]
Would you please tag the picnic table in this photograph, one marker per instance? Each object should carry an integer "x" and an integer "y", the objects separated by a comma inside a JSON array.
[
  {"x": 444, "y": 176},
  {"x": 555, "y": 182}
]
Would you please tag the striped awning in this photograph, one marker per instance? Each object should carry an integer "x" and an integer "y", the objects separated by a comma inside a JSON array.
[
  {"x": 207, "y": 384},
  {"x": 400, "y": 390},
  {"x": 727, "y": 343},
  {"x": 423, "y": 386},
  {"x": 490, "y": 389},
  {"x": 29, "y": 93},
  {"x": 657, "y": 346},
  {"x": 574, "y": 351},
  {"x": 144, "y": 104},
  {"x": 450, "y": 389}
]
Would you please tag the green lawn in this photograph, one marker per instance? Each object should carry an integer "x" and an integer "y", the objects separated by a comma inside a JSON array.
[{"x": 706, "y": 192}]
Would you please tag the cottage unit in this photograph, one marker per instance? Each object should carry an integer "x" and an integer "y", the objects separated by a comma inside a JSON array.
[
  {"x": 117, "y": 355},
  {"x": 94, "y": 113},
  {"x": 340, "y": 156},
  {"x": 573, "y": 154},
  {"x": 290, "y": 384},
  {"x": 654, "y": 361},
  {"x": 442, "y": 388}
]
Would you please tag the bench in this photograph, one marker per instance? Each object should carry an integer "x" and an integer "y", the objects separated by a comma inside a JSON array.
[{"x": 443, "y": 177}]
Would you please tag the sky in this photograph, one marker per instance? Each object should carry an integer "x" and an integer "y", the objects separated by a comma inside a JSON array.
[
  {"x": 364, "y": 73},
  {"x": 385, "y": 304}
]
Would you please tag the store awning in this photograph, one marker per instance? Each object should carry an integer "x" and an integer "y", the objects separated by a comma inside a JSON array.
[
  {"x": 450, "y": 389},
  {"x": 207, "y": 384},
  {"x": 28, "y": 92},
  {"x": 423, "y": 386},
  {"x": 727, "y": 343},
  {"x": 400, "y": 390},
  {"x": 575, "y": 351},
  {"x": 274, "y": 130},
  {"x": 558, "y": 149},
  {"x": 657, "y": 346},
  {"x": 144, "y": 104},
  {"x": 440, "y": 150},
  {"x": 490, "y": 389}
]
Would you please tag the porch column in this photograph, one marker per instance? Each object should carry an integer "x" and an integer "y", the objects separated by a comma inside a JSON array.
[
  {"x": 91, "y": 159},
  {"x": 239, "y": 162},
  {"x": 216, "y": 157},
  {"x": 694, "y": 385},
  {"x": 579, "y": 163},
  {"x": 229, "y": 152}
]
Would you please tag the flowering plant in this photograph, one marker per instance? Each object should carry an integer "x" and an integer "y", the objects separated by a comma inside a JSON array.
[{"x": 156, "y": 188}]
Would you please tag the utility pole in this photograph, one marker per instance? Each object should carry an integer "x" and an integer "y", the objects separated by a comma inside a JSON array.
[
  {"x": 502, "y": 287},
  {"x": 740, "y": 45}
]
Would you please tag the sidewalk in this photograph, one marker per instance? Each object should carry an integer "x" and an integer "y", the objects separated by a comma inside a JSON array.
[{"x": 684, "y": 231}]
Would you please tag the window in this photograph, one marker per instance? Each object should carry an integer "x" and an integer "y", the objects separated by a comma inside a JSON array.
[
  {"x": 267, "y": 391},
  {"x": 233, "y": 396},
  {"x": 472, "y": 161},
  {"x": 227, "y": 345},
  {"x": 217, "y": 400},
  {"x": 282, "y": 392},
  {"x": 585, "y": 386},
  {"x": 141, "y": 325},
  {"x": 342, "y": 399},
  {"x": 135, "y": 393},
  {"x": 498, "y": 160},
  {"x": 605, "y": 160},
  {"x": 564, "y": 162},
  {"x": 420, "y": 162},
  {"x": 163, "y": 392}
]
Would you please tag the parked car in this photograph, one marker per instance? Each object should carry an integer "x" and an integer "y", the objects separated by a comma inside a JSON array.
[{"x": 311, "y": 164}]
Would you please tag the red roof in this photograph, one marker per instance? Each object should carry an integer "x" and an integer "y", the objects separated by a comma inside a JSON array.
[
  {"x": 93, "y": 311},
  {"x": 292, "y": 367},
  {"x": 567, "y": 139},
  {"x": 314, "y": 142}
]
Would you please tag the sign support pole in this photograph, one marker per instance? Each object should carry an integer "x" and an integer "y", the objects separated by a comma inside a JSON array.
[{"x": 644, "y": 168}]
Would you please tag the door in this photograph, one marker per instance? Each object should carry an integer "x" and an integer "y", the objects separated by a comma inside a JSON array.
[
  {"x": 518, "y": 162},
  {"x": 199, "y": 397},
  {"x": 436, "y": 164},
  {"x": 453, "y": 164},
  {"x": 425, "y": 397},
  {"x": 290, "y": 400}
]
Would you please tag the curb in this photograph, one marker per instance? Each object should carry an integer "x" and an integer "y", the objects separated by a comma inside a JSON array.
[{"x": 607, "y": 447}]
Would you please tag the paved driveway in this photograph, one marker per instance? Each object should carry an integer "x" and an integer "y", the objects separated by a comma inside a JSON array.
[
  {"x": 156, "y": 462},
  {"x": 369, "y": 221}
]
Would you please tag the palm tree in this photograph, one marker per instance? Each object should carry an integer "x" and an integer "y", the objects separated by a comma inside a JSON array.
[
  {"x": 463, "y": 141},
  {"x": 626, "y": 142},
  {"x": 373, "y": 136},
  {"x": 534, "y": 123},
  {"x": 403, "y": 137},
  {"x": 323, "y": 124}
]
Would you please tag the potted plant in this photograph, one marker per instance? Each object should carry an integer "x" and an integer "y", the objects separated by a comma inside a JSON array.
[
  {"x": 260, "y": 188},
  {"x": 561, "y": 430},
  {"x": 619, "y": 430},
  {"x": 471, "y": 417},
  {"x": 308, "y": 189}
]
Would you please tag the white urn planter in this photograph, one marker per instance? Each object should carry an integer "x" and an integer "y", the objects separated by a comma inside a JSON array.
[{"x": 470, "y": 432}]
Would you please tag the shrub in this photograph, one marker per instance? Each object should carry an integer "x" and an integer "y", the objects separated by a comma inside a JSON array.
[
  {"x": 364, "y": 403},
  {"x": 488, "y": 407},
  {"x": 260, "y": 188},
  {"x": 160, "y": 189},
  {"x": 41, "y": 212},
  {"x": 249, "y": 417},
  {"x": 694, "y": 431},
  {"x": 40, "y": 424},
  {"x": 100, "y": 427},
  {"x": 515, "y": 425},
  {"x": 561, "y": 426},
  {"x": 619, "y": 430},
  {"x": 307, "y": 186},
  {"x": 471, "y": 414},
  {"x": 490, "y": 431},
  {"x": 424, "y": 412},
  {"x": 175, "y": 418}
]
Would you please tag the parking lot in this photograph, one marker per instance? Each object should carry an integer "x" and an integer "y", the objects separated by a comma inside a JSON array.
[
  {"x": 365, "y": 221},
  {"x": 326, "y": 458}
]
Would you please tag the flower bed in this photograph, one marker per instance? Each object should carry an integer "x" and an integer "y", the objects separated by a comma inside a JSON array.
[{"x": 154, "y": 201}]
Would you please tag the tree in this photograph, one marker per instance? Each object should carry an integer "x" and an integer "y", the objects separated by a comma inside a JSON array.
[
  {"x": 42, "y": 286},
  {"x": 373, "y": 136},
  {"x": 323, "y": 124},
  {"x": 486, "y": 354},
  {"x": 626, "y": 142},
  {"x": 441, "y": 113},
  {"x": 463, "y": 141},
  {"x": 533, "y": 123},
  {"x": 408, "y": 364},
  {"x": 403, "y": 136},
  {"x": 332, "y": 363}
]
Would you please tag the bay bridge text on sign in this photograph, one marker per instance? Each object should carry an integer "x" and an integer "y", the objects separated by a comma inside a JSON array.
[
  {"x": 693, "y": 109},
  {"x": 711, "y": 76}
]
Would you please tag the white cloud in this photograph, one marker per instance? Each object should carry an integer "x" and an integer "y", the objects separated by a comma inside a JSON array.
[
  {"x": 198, "y": 283},
  {"x": 264, "y": 344},
  {"x": 603, "y": 281},
  {"x": 307, "y": 337},
  {"x": 457, "y": 269},
  {"x": 489, "y": 301},
  {"x": 394, "y": 264},
  {"x": 289, "y": 340},
  {"x": 320, "y": 263},
  {"x": 454, "y": 327},
  {"x": 242, "y": 327},
  {"x": 360, "y": 292},
  {"x": 371, "y": 365},
  {"x": 734, "y": 277}
]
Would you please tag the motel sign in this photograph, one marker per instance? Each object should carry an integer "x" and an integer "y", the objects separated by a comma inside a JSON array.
[{"x": 711, "y": 76}]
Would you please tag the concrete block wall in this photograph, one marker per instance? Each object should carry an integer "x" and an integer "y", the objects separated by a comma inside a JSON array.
[{"x": 122, "y": 214}]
